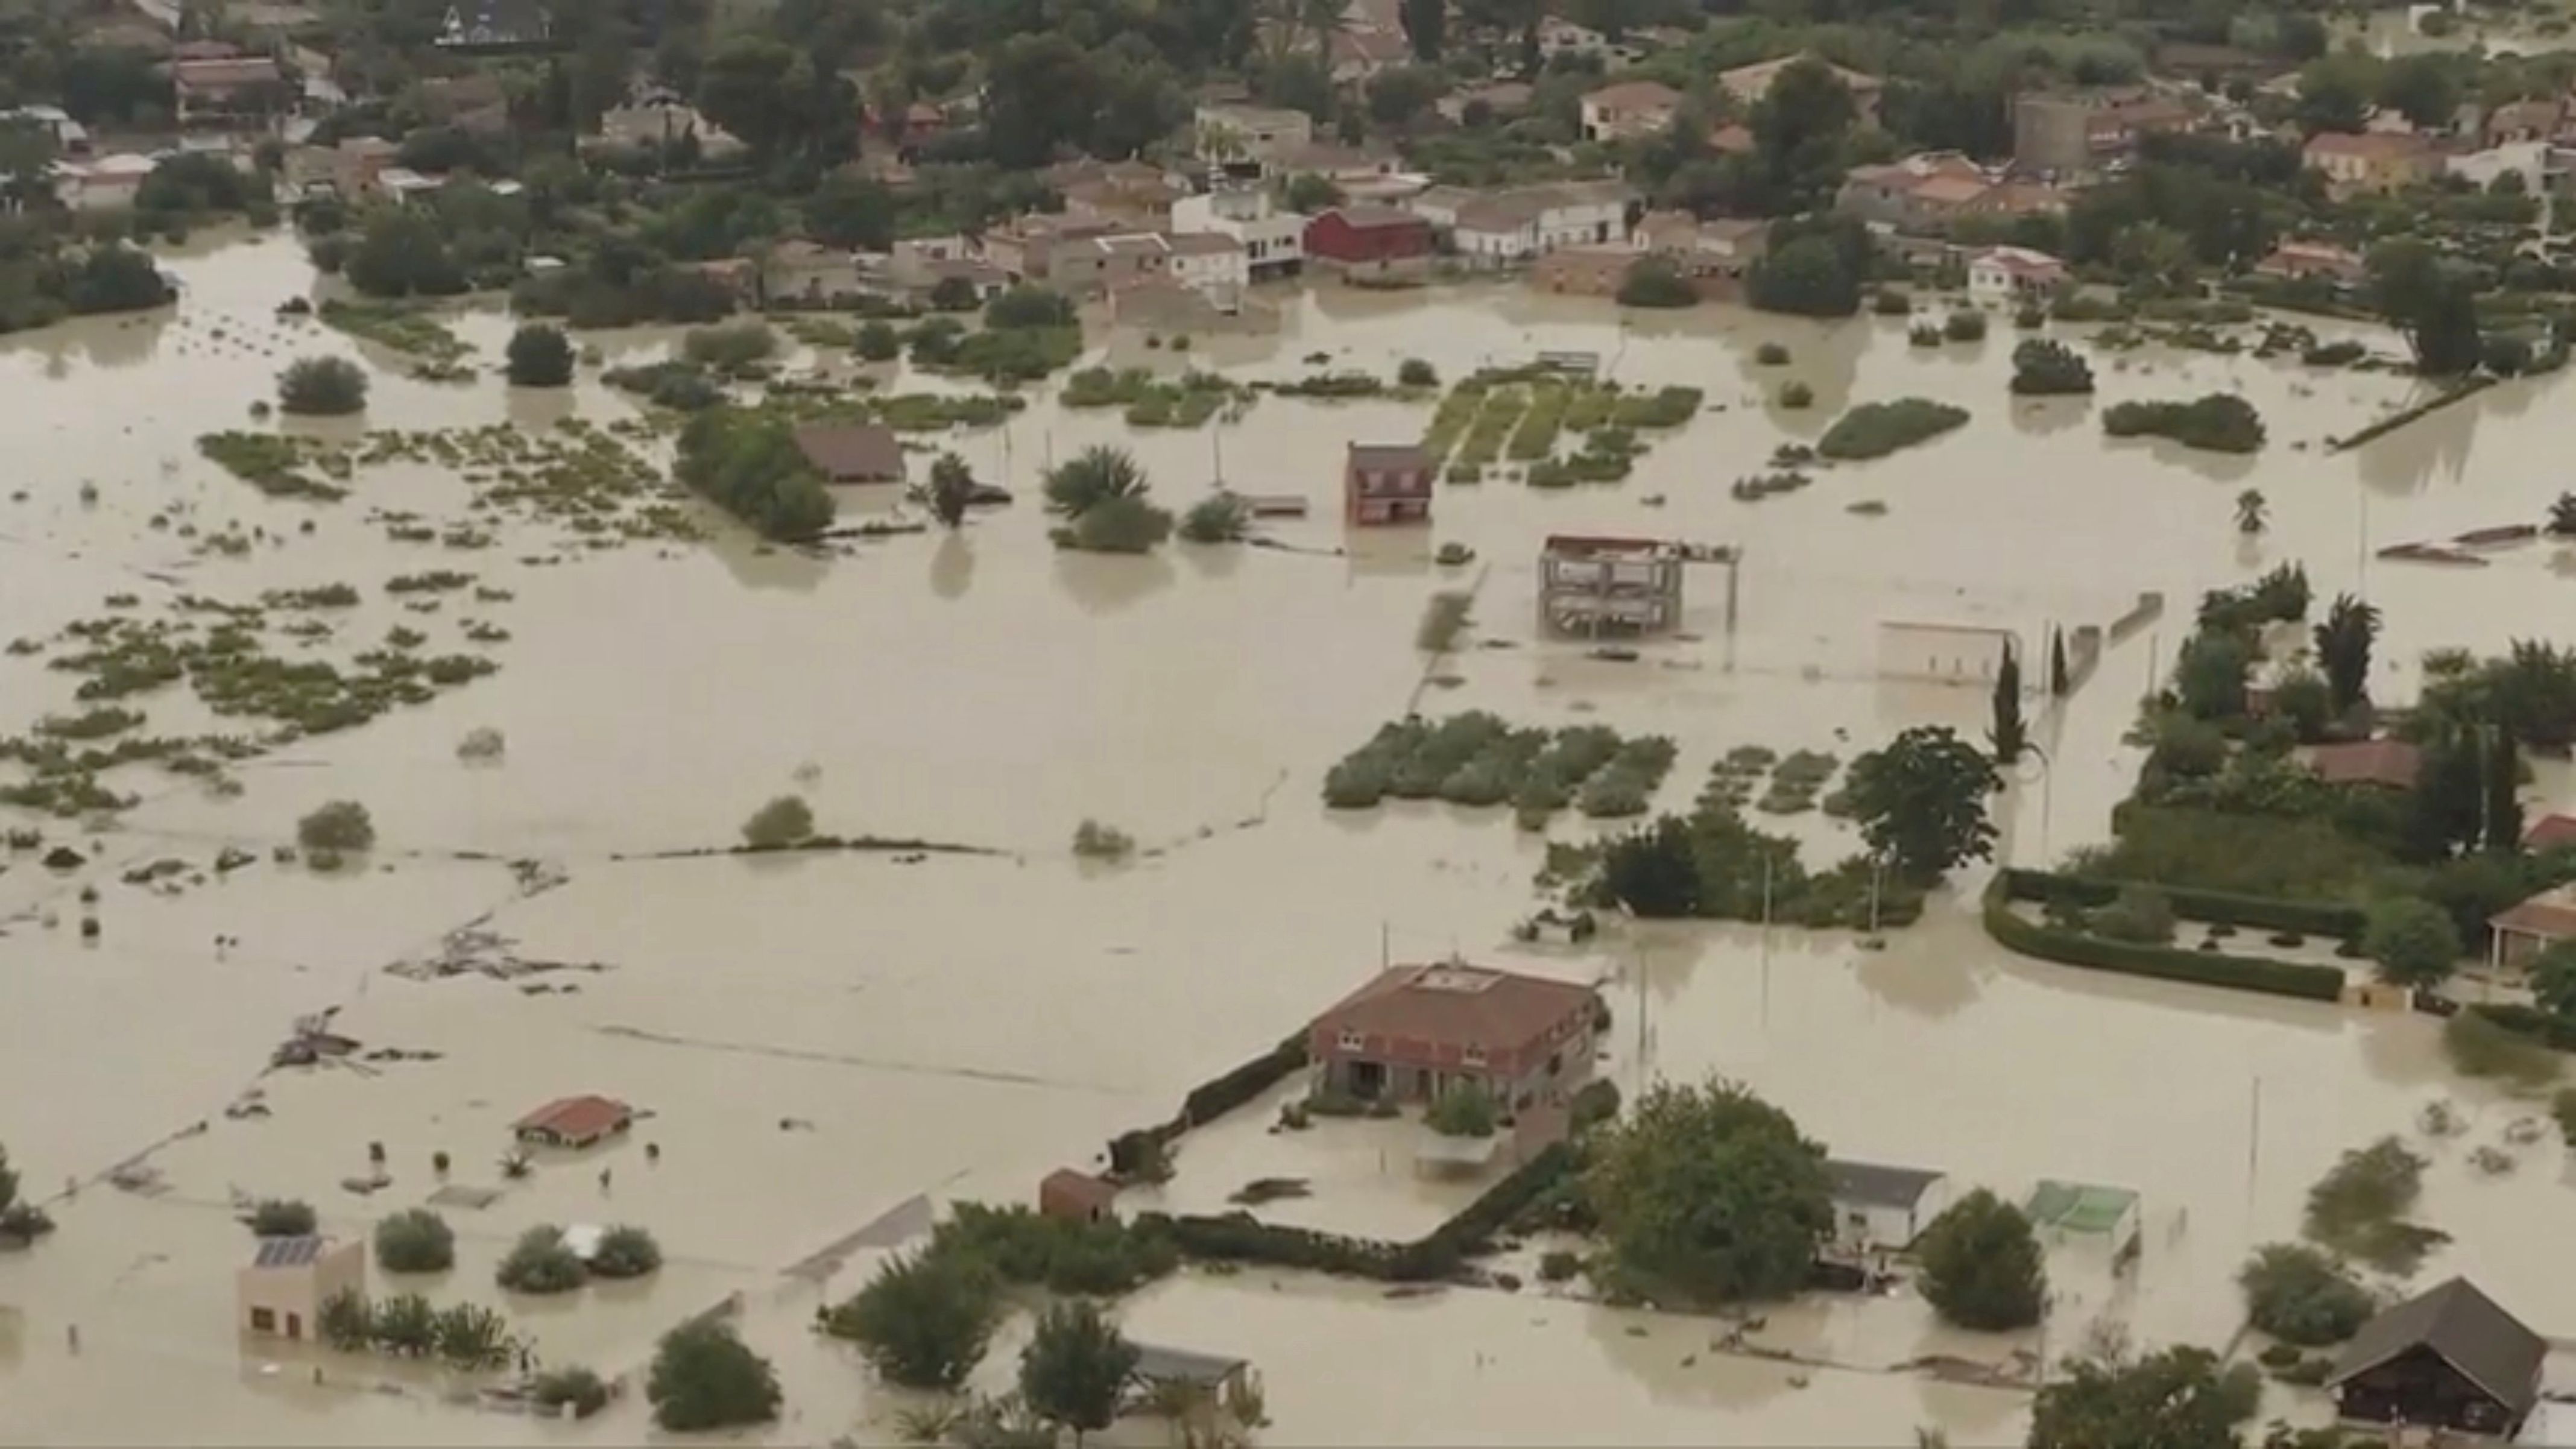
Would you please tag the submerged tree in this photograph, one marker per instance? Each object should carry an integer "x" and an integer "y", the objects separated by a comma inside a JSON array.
[
  {"x": 1092, "y": 477},
  {"x": 2060, "y": 683},
  {"x": 2008, "y": 735},
  {"x": 2253, "y": 515},
  {"x": 1710, "y": 1190},
  {"x": 1982, "y": 1266},
  {"x": 1076, "y": 1367},
  {"x": 1921, "y": 802},
  {"x": 2179, "y": 1398},
  {"x": 2343, "y": 649},
  {"x": 2562, "y": 516},
  {"x": 704, "y": 1377},
  {"x": 952, "y": 486},
  {"x": 923, "y": 1321}
]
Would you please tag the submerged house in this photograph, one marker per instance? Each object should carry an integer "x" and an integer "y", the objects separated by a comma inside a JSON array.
[
  {"x": 2447, "y": 1359},
  {"x": 2525, "y": 930},
  {"x": 852, "y": 452},
  {"x": 574, "y": 1122},
  {"x": 1384, "y": 483},
  {"x": 281, "y": 1291},
  {"x": 1416, "y": 1031},
  {"x": 1590, "y": 585},
  {"x": 1883, "y": 1209}
]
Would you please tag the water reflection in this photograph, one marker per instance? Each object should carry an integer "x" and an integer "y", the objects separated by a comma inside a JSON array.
[
  {"x": 2434, "y": 446},
  {"x": 2041, "y": 416},
  {"x": 952, "y": 565},
  {"x": 1106, "y": 583}
]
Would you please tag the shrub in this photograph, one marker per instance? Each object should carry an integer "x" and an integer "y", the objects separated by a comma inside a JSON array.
[
  {"x": 1874, "y": 430},
  {"x": 1965, "y": 325},
  {"x": 322, "y": 387},
  {"x": 1029, "y": 305},
  {"x": 2142, "y": 914},
  {"x": 782, "y": 822},
  {"x": 541, "y": 1262},
  {"x": 1464, "y": 1110},
  {"x": 1414, "y": 372},
  {"x": 923, "y": 1321},
  {"x": 1217, "y": 518},
  {"x": 471, "y": 1336},
  {"x": 1095, "y": 841},
  {"x": 2030, "y": 317},
  {"x": 1558, "y": 1265},
  {"x": 415, "y": 1240},
  {"x": 540, "y": 356},
  {"x": 879, "y": 342},
  {"x": 1771, "y": 354},
  {"x": 2300, "y": 1295},
  {"x": 1923, "y": 334},
  {"x": 347, "y": 1322},
  {"x": 2220, "y": 422},
  {"x": 405, "y": 1324},
  {"x": 2280, "y": 978},
  {"x": 704, "y": 1377},
  {"x": 1595, "y": 1102},
  {"x": 1891, "y": 303},
  {"x": 729, "y": 346},
  {"x": 2413, "y": 941},
  {"x": 577, "y": 1386},
  {"x": 1655, "y": 282},
  {"x": 282, "y": 1218},
  {"x": 2045, "y": 367},
  {"x": 1120, "y": 525},
  {"x": 482, "y": 743},
  {"x": 625, "y": 1252},
  {"x": 1797, "y": 397}
]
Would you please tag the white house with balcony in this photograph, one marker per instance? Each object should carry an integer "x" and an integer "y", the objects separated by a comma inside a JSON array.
[
  {"x": 1273, "y": 238},
  {"x": 1503, "y": 228}
]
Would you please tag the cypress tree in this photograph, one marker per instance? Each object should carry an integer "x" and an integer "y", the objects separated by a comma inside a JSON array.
[
  {"x": 2058, "y": 684},
  {"x": 2008, "y": 736}
]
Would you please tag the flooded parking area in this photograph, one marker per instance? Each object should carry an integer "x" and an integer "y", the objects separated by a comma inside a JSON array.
[{"x": 819, "y": 1039}]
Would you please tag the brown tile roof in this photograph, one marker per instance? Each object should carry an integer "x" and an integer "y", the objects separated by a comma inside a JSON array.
[
  {"x": 1638, "y": 95},
  {"x": 2465, "y": 1329},
  {"x": 1079, "y": 1187},
  {"x": 1364, "y": 217},
  {"x": 1454, "y": 1005},
  {"x": 2370, "y": 145},
  {"x": 224, "y": 74},
  {"x": 576, "y": 1117},
  {"x": 2550, "y": 915},
  {"x": 1389, "y": 457},
  {"x": 2393, "y": 763},
  {"x": 1203, "y": 244},
  {"x": 852, "y": 452}
]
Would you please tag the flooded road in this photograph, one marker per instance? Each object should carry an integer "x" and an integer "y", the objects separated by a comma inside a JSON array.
[{"x": 820, "y": 1039}]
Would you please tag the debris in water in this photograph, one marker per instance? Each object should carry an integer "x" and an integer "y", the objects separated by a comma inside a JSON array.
[{"x": 1270, "y": 1189}]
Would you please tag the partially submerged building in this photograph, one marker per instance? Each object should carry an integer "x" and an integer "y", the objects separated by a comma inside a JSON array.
[
  {"x": 1590, "y": 585},
  {"x": 1080, "y": 1197},
  {"x": 1413, "y": 1032},
  {"x": 852, "y": 452},
  {"x": 2525, "y": 930},
  {"x": 574, "y": 1122},
  {"x": 281, "y": 1292},
  {"x": 1882, "y": 1209},
  {"x": 2446, "y": 1359},
  {"x": 1386, "y": 483}
]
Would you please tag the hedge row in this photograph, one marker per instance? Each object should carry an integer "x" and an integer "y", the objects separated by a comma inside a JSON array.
[
  {"x": 1239, "y": 1237},
  {"x": 2206, "y": 968},
  {"x": 2266, "y": 913},
  {"x": 2547, "y": 1028},
  {"x": 1213, "y": 1099}
]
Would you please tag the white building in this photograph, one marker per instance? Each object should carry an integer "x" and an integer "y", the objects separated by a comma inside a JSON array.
[
  {"x": 1273, "y": 239},
  {"x": 108, "y": 183},
  {"x": 1500, "y": 228},
  {"x": 1943, "y": 653},
  {"x": 1212, "y": 264},
  {"x": 70, "y": 136},
  {"x": 1881, "y": 1209},
  {"x": 280, "y": 1293},
  {"x": 1250, "y": 133},
  {"x": 2013, "y": 274}
]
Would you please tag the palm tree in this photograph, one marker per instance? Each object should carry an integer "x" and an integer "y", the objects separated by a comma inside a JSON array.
[
  {"x": 1092, "y": 477},
  {"x": 2343, "y": 648},
  {"x": 2562, "y": 516},
  {"x": 2252, "y": 515}
]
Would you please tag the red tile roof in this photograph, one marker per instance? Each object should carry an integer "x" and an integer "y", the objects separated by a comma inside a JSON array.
[
  {"x": 2550, "y": 832},
  {"x": 2393, "y": 763},
  {"x": 1453, "y": 1007},
  {"x": 575, "y": 1118},
  {"x": 2550, "y": 915},
  {"x": 1390, "y": 457}
]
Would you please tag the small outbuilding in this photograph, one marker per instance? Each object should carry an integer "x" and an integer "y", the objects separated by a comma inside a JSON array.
[
  {"x": 282, "y": 1290},
  {"x": 852, "y": 452},
  {"x": 1211, "y": 1372},
  {"x": 1878, "y": 1208},
  {"x": 2448, "y": 1359},
  {"x": 2525, "y": 930},
  {"x": 1077, "y": 1196},
  {"x": 574, "y": 1122}
]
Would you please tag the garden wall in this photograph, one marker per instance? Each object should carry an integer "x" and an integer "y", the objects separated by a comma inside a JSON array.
[
  {"x": 1212, "y": 1099},
  {"x": 2205, "y": 968}
]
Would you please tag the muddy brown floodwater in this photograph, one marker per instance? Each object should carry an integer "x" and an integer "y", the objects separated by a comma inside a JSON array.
[{"x": 821, "y": 1039}]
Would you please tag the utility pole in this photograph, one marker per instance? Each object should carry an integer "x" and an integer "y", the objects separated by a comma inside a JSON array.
[
  {"x": 2254, "y": 1143},
  {"x": 1766, "y": 943}
]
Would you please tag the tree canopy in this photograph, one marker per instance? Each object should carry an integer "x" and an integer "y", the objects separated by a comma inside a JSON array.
[
  {"x": 705, "y": 1377},
  {"x": 1982, "y": 1266},
  {"x": 1921, "y": 801},
  {"x": 1710, "y": 1192},
  {"x": 1076, "y": 1367},
  {"x": 2178, "y": 1398}
]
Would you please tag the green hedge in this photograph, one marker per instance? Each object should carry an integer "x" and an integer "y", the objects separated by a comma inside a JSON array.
[
  {"x": 1223, "y": 1094},
  {"x": 1239, "y": 1237},
  {"x": 2547, "y": 1028},
  {"x": 2205, "y": 968},
  {"x": 2267, "y": 913}
]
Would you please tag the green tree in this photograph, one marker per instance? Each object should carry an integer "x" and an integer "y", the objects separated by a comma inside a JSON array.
[
  {"x": 2553, "y": 979},
  {"x": 406, "y": 1325},
  {"x": 750, "y": 466},
  {"x": 1982, "y": 1267},
  {"x": 2532, "y": 692},
  {"x": 2413, "y": 941},
  {"x": 540, "y": 356},
  {"x": 541, "y": 1262},
  {"x": 471, "y": 1336},
  {"x": 2007, "y": 735},
  {"x": 1120, "y": 525},
  {"x": 745, "y": 89},
  {"x": 625, "y": 1251},
  {"x": 415, "y": 1240},
  {"x": 341, "y": 825},
  {"x": 1217, "y": 518},
  {"x": 2503, "y": 778},
  {"x": 952, "y": 486},
  {"x": 2178, "y": 1398},
  {"x": 924, "y": 1320},
  {"x": 1655, "y": 282},
  {"x": 1807, "y": 277},
  {"x": 2562, "y": 516},
  {"x": 852, "y": 211},
  {"x": 2425, "y": 87},
  {"x": 1465, "y": 1109},
  {"x": 2209, "y": 675},
  {"x": 1076, "y": 1367},
  {"x": 2434, "y": 304},
  {"x": 282, "y": 1218},
  {"x": 1921, "y": 802},
  {"x": 2252, "y": 514},
  {"x": 1092, "y": 477},
  {"x": 782, "y": 822},
  {"x": 1426, "y": 27},
  {"x": 879, "y": 342},
  {"x": 322, "y": 387},
  {"x": 1799, "y": 128},
  {"x": 2044, "y": 367},
  {"x": 1308, "y": 192},
  {"x": 402, "y": 252},
  {"x": 1653, "y": 870},
  {"x": 2302, "y": 697},
  {"x": 2336, "y": 92},
  {"x": 347, "y": 1322},
  {"x": 705, "y": 1377},
  {"x": 2301, "y": 1295},
  {"x": 1711, "y": 1191},
  {"x": 2343, "y": 649}
]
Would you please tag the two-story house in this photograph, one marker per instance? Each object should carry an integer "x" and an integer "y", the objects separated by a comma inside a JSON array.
[{"x": 1273, "y": 237}]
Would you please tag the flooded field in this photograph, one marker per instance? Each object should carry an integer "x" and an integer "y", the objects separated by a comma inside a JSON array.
[{"x": 821, "y": 1039}]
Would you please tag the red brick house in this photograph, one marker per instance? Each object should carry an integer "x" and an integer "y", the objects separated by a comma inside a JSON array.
[
  {"x": 1416, "y": 1031},
  {"x": 1369, "y": 241},
  {"x": 1386, "y": 483}
]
